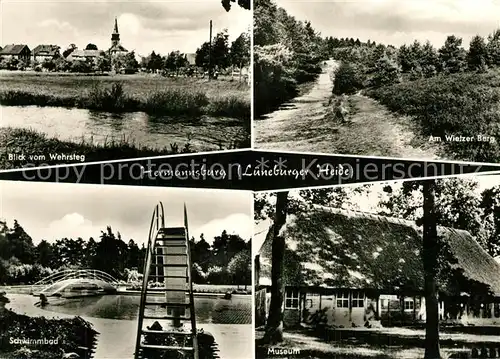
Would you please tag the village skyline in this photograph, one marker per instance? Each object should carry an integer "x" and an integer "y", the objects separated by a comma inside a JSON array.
[{"x": 184, "y": 27}]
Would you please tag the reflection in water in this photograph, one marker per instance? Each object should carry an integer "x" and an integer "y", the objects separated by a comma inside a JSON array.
[
  {"x": 237, "y": 310},
  {"x": 204, "y": 133}
]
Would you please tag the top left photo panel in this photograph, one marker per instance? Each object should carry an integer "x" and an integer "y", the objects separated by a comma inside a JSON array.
[{"x": 85, "y": 81}]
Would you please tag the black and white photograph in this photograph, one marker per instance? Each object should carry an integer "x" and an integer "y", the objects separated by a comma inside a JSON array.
[
  {"x": 406, "y": 79},
  {"x": 405, "y": 269},
  {"x": 117, "y": 272},
  {"x": 85, "y": 81}
]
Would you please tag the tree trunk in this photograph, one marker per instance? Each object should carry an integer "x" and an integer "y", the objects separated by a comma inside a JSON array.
[
  {"x": 429, "y": 257},
  {"x": 274, "y": 324}
]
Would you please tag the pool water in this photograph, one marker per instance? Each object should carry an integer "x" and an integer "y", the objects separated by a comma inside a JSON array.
[{"x": 208, "y": 309}]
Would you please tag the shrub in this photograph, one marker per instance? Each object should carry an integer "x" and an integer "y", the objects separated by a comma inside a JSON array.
[
  {"x": 217, "y": 275},
  {"x": 387, "y": 72},
  {"x": 348, "y": 79},
  {"x": 81, "y": 66}
]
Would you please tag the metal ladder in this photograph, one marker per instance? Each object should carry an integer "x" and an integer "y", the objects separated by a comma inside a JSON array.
[{"x": 168, "y": 264}]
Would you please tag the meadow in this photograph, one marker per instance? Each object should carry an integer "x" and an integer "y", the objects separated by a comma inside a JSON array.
[
  {"x": 466, "y": 104},
  {"x": 153, "y": 94}
]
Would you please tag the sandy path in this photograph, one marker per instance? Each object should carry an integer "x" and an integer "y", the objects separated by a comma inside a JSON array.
[
  {"x": 116, "y": 339},
  {"x": 371, "y": 130}
]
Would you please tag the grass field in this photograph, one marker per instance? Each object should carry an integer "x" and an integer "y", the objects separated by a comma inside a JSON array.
[
  {"x": 19, "y": 141},
  {"x": 152, "y": 94},
  {"x": 352, "y": 344},
  {"x": 460, "y": 104}
]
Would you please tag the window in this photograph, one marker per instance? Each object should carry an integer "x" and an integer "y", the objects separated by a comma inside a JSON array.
[
  {"x": 292, "y": 299},
  {"x": 343, "y": 300},
  {"x": 358, "y": 300},
  {"x": 409, "y": 304}
]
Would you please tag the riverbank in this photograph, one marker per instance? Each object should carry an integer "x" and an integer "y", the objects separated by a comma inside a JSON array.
[
  {"x": 16, "y": 142},
  {"x": 151, "y": 94},
  {"x": 117, "y": 337}
]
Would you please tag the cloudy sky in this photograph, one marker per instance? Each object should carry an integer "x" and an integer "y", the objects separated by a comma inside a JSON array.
[
  {"x": 54, "y": 211},
  {"x": 146, "y": 25},
  {"x": 396, "y": 21}
]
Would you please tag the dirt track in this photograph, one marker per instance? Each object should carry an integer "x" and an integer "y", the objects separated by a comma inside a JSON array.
[{"x": 303, "y": 125}]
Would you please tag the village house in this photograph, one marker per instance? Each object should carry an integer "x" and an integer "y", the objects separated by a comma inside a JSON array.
[
  {"x": 360, "y": 269},
  {"x": 43, "y": 53},
  {"x": 20, "y": 52},
  {"x": 84, "y": 55}
]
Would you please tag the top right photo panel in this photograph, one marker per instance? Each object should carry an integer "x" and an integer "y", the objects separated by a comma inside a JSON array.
[{"x": 402, "y": 79}]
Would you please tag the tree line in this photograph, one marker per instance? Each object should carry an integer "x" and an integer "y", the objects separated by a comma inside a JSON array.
[
  {"x": 287, "y": 53},
  {"x": 220, "y": 55},
  {"x": 453, "y": 203},
  {"x": 225, "y": 261},
  {"x": 373, "y": 65}
]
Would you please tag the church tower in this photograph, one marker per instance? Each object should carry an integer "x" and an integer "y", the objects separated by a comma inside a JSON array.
[
  {"x": 116, "y": 48},
  {"x": 115, "y": 36}
]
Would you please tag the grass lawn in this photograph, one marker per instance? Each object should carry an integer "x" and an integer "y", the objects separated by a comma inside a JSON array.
[
  {"x": 386, "y": 343},
  {"x": 141, "y": 92},
  {"x": 465, "y": 104},
  {"x": 23, "y": 141}
]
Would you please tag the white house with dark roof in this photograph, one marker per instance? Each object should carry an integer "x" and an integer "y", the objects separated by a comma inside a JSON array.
[
  {"x": 45, "y": 52},
  {"x": 83, "y": 55},
  {"x": 21, "y": 52}
]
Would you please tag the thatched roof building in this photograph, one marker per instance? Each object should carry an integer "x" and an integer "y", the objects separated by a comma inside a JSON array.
[{"x": 333, "y": 248}]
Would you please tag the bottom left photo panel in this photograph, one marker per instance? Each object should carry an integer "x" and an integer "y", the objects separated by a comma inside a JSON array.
[{"x": 100, "y": 271}]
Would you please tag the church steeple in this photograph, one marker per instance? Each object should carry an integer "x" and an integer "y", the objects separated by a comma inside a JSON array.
[{"x": 115, "y": 36}]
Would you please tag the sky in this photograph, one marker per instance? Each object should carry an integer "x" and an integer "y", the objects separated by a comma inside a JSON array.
[
  {"x": 397, "y": 22},
  {"x": 144, "y": 26},
  {"x": 367, "y": 202},
  {"x": 53, "y": 211}
]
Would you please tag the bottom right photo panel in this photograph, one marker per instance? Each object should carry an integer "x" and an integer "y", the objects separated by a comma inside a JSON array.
[{"x": 403, "y": 269}]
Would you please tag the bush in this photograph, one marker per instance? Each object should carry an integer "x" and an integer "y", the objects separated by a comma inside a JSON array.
[
  {"x": 110, "y": 99},
  {"x": 217, "y": 275},
  {"x": 387, "y": 72},
  {"x": 348, "y": 79},
  {"x": 81, "y": 66}
]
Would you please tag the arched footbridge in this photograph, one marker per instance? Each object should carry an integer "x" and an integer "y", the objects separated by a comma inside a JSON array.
[{"x": 84, "y": 279}]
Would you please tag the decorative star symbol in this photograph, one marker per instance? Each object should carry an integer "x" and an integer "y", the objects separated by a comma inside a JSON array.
[
  {"x": 262, "y": 164},
  {"x": 280, "y": 163}
]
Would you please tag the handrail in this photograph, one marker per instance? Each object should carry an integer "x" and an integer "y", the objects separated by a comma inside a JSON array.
[
  {"x": 190, "y": 283},
  {"x": 157, "y": 222}
]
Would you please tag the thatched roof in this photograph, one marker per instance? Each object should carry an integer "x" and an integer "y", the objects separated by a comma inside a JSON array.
[{"x": 341, "y": 249}]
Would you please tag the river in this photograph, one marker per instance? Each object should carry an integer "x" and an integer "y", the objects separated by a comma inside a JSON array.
[{"x": 70, "y": 124}]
